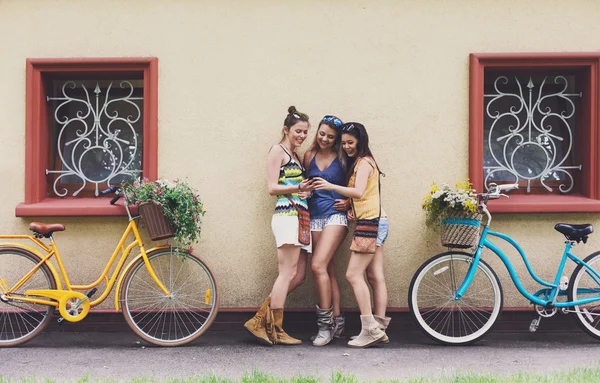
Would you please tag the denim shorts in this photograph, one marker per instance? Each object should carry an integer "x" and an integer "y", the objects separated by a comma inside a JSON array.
[{"x": 382, "y": 231}]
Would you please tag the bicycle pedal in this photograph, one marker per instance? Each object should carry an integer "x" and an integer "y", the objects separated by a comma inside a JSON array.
[
  {"x": 534, "y": 325},
  {"x": 91, "y": 292}
]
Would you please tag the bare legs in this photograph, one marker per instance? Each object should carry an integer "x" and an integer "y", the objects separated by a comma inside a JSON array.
[
  {"x": 372, "y": 331},
  {"x": 325, "y": 245},
  {"x": 288, "y": 257},
  {"x": 355, "y": 275},
  {"x": 376, "y": 279},
  {"x": 372, "y": 264}
]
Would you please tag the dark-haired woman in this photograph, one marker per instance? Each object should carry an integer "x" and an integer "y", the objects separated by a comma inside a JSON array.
[
  {"x": 286, "y": 180},
  {"x": 328, "y": 225},
  {"x": 369, "y": 235}
]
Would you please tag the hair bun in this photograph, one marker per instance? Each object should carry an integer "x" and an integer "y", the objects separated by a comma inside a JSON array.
[{"x": 292, "y": 110}]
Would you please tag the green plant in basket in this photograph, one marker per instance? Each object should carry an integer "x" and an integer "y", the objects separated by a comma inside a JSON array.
[
  {"x": 180, "y": 203},
  {"x": 455, "y": 209}
]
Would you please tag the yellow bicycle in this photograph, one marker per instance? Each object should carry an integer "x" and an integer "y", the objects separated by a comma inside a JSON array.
[{"x": 168, "y": 297}]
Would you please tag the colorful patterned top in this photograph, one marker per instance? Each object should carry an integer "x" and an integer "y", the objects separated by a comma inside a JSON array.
[
  {"x": 369, "y": 206},
  {"x": 290, "y": 174}
]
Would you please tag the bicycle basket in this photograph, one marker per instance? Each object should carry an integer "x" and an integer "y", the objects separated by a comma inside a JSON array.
[
  {"x": 155, "y": 221},
  {"x": 461, "y": 229}
]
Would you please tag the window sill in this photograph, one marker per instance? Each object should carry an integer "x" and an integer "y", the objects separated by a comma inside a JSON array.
[
  {"x": 545, "y": 204},
  {"x": 71, "y": 207}
]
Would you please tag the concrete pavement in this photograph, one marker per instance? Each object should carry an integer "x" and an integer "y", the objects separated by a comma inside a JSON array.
[{"x": 121, "y": 356}]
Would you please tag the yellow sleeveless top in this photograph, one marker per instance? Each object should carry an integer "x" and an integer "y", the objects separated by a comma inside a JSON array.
[{"x": 369, "y": 206}]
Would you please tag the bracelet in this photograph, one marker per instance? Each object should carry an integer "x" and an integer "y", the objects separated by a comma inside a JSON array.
[{"x": 299, "y": 187}]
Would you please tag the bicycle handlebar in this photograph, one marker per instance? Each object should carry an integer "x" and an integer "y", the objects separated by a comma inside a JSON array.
[
  {"x": 110, "y": 190},
  {"x": 116, "y": 198},
  {"x": 495, "y": 191}
]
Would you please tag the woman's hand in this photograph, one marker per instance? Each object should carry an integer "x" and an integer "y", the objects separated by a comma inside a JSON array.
[
  {"x": 306, "y": 185},
  {"x": 304, "y": 194},
  {"x": 321, "y": 184},
  {"x": 350, "y": 215},
  {"x": 342, "y": 204}
]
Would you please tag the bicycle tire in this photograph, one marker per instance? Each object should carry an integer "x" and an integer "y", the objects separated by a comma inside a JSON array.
[
  {"x": 21, "y": 321},
  {"x": 176, "y": 320},
  {"x": 454, "y": 322},
  {"x": 577, "y": 281}
]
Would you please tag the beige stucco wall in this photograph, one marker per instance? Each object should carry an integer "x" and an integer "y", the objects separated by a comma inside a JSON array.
[{"x": 228, "y": 70}]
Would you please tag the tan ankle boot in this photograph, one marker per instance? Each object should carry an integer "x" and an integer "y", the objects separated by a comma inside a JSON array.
[
  {"x": 370, "y": 333},
  {"x": 257, "y": 325},
  {"x": 384, "y": 322},
  {"x": 383, "y": 325},
  {"x": 275, "y": 329}
]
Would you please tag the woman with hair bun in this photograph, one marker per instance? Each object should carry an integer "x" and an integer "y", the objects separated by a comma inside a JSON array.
[
  {"x": 286, "y": 180},
  {"x": 328, "y": 225},
  {"x": 369, "y": 235}
]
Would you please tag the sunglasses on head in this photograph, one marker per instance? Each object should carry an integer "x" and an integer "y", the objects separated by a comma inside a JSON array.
[
  {"x": 350, "y": 126},
  {"x": 336, "y": 121}
]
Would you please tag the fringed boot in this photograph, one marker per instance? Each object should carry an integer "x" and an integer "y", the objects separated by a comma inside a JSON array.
[
  {"x": 257, "y": 324},
  {"x": 275, "y": 329}
]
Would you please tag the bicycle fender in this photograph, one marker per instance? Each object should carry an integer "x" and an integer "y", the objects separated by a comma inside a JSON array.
[
  {"x": 126, "y": 269},
  {"x": 39, "y": 254}
]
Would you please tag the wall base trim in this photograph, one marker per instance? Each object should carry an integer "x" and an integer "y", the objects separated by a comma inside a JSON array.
[{"x": 304, "y": 320}]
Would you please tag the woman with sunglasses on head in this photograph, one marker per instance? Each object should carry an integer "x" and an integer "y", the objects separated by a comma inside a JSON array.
[
  {"x": 328, "y": 225},
  {"x": 286, "y": 180},
  {"x": 369, "y": 234}
]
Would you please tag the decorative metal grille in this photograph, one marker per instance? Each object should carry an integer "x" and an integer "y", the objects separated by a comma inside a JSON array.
[
  {"x": 529, "y": 133},
  {"x": 97, "y": 139}
]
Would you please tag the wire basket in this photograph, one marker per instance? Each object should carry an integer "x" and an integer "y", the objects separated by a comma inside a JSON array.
[
  {"x": 461, "y": 229},
  {"x": 155, "y": 221}
]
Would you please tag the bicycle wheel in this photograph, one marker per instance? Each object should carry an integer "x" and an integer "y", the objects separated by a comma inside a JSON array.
[
  {"x": 584, "y": 285},
  {"x": 170, "y": 320},
  {"x": 445, "y": 319},
  {"x": 21, "y": 321}
]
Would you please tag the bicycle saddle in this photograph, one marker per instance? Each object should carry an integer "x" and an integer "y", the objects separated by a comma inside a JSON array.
[
  {"x": 44, "y": 229},
  {"x": 575, "y": 232}
]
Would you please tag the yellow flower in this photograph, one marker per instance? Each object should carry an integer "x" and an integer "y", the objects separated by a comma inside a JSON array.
[
  {"x": 470, "y": 206},
  {"x": 434, "y": 188}
]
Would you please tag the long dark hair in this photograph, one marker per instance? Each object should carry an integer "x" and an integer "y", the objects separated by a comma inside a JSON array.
[
  {"x": 292, "y": 118},
  {"x": 358, "y": 131}
]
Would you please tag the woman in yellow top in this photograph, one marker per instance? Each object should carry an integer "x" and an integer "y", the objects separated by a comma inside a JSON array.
[{"x": 369, "y": 234}]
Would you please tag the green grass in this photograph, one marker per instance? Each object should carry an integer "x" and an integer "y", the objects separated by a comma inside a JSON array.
[{"x": 576, "y": 375}]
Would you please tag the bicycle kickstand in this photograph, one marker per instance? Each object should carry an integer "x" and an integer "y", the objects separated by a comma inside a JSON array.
[{"x": 535, "y": 323}]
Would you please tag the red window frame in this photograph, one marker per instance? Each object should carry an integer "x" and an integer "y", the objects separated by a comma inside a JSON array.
[
  {"x": 37, "y": 132},
  {"x": 588, "y": 200}
]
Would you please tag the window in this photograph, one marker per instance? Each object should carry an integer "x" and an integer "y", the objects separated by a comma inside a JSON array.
[
  {"x": 534, "y": 121},
  {"x": 90, "y": 123}
]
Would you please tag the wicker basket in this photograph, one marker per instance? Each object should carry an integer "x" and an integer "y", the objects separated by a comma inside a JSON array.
[
  {"x": 461, "y": 229},
  {"x": 155, "y": 221}
]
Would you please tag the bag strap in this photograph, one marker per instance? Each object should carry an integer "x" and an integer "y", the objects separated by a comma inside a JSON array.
[
  {"x": 378, "y": 186},
  {"x": 294, "y": 156},
  {"x": 293, "y": 203}
]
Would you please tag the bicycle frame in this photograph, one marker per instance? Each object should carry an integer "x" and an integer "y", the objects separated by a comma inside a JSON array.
[
  {"x": 554, "y": 287},
  {"x": 53, "y": 251}
]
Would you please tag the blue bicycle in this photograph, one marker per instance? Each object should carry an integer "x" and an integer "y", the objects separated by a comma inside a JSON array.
[{"x": 455, "y": 297}]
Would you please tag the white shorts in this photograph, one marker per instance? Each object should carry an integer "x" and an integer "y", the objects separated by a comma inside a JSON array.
[
  {"x": 285, "y": 230},
  {"x": 317, "y": 224}
]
